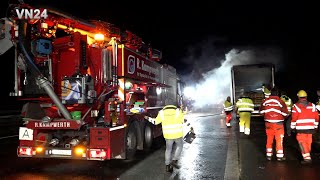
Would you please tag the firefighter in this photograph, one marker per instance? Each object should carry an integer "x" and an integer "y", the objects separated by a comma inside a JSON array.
[
  {"x": 265, "y": 91},
  {"x": 305, "y": 120},
  {"x": 289, "y": 104},
  {"x": 244, "y": 108},
  {"x": 228, "y": 108},
  {"x": 172, "y": 119},
  {"x": 274, "y": 111}
]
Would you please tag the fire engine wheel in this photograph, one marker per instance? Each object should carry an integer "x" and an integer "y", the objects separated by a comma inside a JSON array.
[
  {"x": 148, "y": 137},
  {"x": 131, "y": 142}
]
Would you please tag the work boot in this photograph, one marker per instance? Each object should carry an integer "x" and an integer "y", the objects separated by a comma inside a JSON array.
[
  {"x": 169, "y": 168},
  {"x": 174, "y": 163},
  {"x": 306, "y": 161},
  {"x": 281, "y": 159},
  {"x": 269, "y": 158}
]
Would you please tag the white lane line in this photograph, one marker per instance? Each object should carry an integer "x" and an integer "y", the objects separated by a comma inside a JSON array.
[
  {"x": 6, "y": 137},
  {"x": 8, "y": 116},
  {"x": 232, "y": 162}
]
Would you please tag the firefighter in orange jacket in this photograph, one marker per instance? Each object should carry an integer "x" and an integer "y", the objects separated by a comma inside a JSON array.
[
  {"x": 274, "y": 110},
  {"x": 305, "y": 120}
]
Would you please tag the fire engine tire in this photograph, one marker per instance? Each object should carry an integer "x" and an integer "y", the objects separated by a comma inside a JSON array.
[
  {"x": 131, "y": 141},
  {"x": 148, "y": 137}
]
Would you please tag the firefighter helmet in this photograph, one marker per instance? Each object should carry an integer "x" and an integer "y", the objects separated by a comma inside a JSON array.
[{"x": 302, "y": 93}]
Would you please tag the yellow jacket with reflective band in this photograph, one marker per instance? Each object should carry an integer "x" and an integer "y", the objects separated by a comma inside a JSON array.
[
  {"x": 172, "y": 119},
  {"x": 318, "y": 105},
  {"x": 266, "y": 91},
  {"x": 245, "y": 105},
  {"x": 288, "y": 102},
  {"x": 227, "y": 106}
]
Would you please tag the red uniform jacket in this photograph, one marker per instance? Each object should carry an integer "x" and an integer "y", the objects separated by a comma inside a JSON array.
[
  {"x": 305, "y": 117},
  {"x": 274, "y": 109}
]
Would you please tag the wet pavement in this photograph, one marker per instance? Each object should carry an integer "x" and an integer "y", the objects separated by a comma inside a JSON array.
[
  {"x": 216, "y": 153},
  {"x": 205, "y": 158},
  {"x": 253, "y": 164}
]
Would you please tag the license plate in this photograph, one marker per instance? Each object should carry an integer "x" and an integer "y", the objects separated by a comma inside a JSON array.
[{"x": 60, "y": 152}]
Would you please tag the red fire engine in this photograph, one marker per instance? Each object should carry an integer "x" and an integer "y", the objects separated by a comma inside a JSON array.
[{"x": 87, "y": 86}]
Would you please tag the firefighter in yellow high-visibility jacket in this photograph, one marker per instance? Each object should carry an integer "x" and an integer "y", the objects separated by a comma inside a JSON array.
[
  {"x": 228, "y": 108},
  {"x": 245, "y": 108},
  {"x": 172, "y": 119}
]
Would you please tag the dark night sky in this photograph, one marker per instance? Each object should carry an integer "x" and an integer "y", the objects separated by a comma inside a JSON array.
[{"x": 181, "y": 28}]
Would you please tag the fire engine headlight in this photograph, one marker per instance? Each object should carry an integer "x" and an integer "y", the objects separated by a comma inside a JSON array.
[{"x": 99, "y": 37}]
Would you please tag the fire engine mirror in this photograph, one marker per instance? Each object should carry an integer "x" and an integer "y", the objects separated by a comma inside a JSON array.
[
  {"x": 2, "y": 29},
  {"x": 5, "y": 36}
]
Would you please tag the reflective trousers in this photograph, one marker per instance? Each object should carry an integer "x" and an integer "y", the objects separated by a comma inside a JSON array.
[
  {"x": 305, "y": 141},
  {"x": 169, "y": 147},
  {"x": 244, "y": 124},
  {"x": 274, "y": 131}
]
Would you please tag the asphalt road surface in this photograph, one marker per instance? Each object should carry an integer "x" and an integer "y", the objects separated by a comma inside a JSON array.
[
  {"x": 205, "y": 158},
  {"x": 217, "y": 153}
]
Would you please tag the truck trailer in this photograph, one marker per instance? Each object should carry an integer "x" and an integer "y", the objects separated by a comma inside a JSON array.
[
  {"x": 86, "y": 86},
  {"x": 250, "y": 78}
]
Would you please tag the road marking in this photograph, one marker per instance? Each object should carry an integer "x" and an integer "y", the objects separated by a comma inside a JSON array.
[
  {"x": 232, "y": 163},
  {"x": 6, "y": 137},
  {"x": 8, "y": 116}
]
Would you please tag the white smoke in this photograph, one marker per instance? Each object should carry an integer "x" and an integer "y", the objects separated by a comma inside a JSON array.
[{"x": 215, "y": 85}]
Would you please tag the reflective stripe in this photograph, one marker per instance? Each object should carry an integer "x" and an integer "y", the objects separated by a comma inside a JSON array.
[
  {"x": 161, "y": 113},
  {"x": 304, "y": 127},
  {"x": 280, "y": 155},
  {"x": 293, "y": 125},
  {"x": 245, "y": 109},
  {"x": 280, "y": 151},
  {"x": 272, "y": 100},
  {"x": 172, "y": 131},
  {"x": 116, "y": 128},
  {"x": 293, "y": 111},
  {"x": 177, "y": 112},
  {"x": 316, "y": 123},
  {"x": 305, "y": 120},
  {"x": 306, "y": 155},
  {"x": 273, "y": 120},
  {"x": 269, "y": 154},
  {"x": 241, "y": 128},
  {"x": 121, "y": 89},
  {"x": 269, "y": 149},
  {"x": 298, "y": 109},
  {"x": 313, "y": 107},
  {"x": 247, "y": 131},
  {"x": 245, "y": 103},
  {"x": 172, "y": 126},
  {"x": 318, "y": 107},
  {"x": 228, "y": 108},
  {"x": 273, "y": 110}
]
